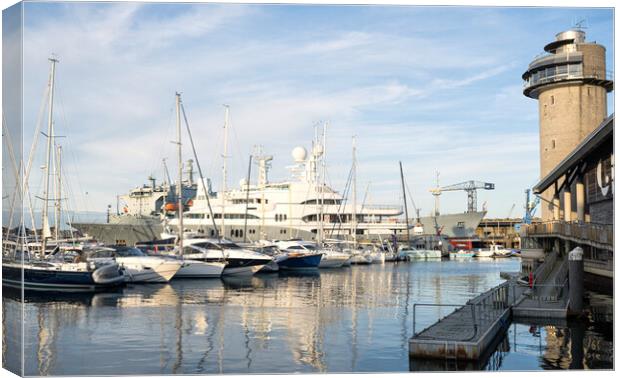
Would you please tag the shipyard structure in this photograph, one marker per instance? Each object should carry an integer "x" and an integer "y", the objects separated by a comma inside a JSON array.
[{"x": 576, "y": 183}]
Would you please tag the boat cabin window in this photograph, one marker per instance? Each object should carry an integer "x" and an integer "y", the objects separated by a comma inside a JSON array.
[
  {"x": 129, "y": 252},
  {"x": 310, "y": 247},
  {"x": 206, "y": 245},
  {"x": 228, "y": 245},
  {"x": 295, "y": 247},
  {"x": 102, "y": 254}
]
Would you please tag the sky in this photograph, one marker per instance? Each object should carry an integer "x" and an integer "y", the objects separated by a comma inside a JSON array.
[{"x": 438, "y": 88}]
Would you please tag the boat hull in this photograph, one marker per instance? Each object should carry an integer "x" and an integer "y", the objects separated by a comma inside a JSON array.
[
  {"x": 361, "y": 259},
  {"x": 332, "y": 262},
  {"x": 301, "y": 262},
  {"x": 270, "y": 267},
  {"x": 40, "y": 278},
  {"x": 200, "y": 269},
  {"x": 161, "y": 273}
]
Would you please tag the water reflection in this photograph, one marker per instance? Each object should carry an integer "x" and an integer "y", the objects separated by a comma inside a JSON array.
[{"x": 354, "y": 319}]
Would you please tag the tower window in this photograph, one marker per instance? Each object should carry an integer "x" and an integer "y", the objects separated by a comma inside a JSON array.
[
  {"x": 552, "y": 100},
  {"x": 553, "y": 143}
]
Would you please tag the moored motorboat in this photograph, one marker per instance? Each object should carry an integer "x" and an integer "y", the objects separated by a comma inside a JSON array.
[
  {"x": 199, "y": 269},
  {"x": 460, "y": 254},
  {"x": 409, "y": 253},
  {"x": 334, "y": 259},
  {"x": 239, "y": 261},
  {"x": 361, "y": 257},
  {"x": 297, "y": 254},
  {"x": 138, "y": 267}
]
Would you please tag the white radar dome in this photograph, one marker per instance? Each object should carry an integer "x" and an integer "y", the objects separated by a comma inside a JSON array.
[{"x": 299, "y": 154}]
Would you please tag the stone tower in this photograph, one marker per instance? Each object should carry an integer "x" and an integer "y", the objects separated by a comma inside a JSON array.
[{"x": 570, "y": 84}]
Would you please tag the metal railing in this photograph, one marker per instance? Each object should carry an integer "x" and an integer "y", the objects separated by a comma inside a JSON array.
[
  {"x": 558, "y": 294},
  {"x": 542, "y": 271},
  {"x": 484, "y": 309},
  {"x": 599, "y": 233}
]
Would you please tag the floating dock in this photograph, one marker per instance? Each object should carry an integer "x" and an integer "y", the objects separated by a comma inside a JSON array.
[{"x": 469, "y": 331}]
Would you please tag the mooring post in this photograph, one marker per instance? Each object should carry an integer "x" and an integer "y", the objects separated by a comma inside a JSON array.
[{"x": 575, "y": 281}]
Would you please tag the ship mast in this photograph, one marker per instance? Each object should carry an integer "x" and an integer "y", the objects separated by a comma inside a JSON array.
[
  {"x": 247, "y": 201},
  {"x": 224, "y": 157},
  {"x": 402, "y": 180},
  {"x": 323, "y": 173},
  {"x": 354, "y": 195},
  {"x": 180, "y": 167},
  {"x": 48, "y": 154}
]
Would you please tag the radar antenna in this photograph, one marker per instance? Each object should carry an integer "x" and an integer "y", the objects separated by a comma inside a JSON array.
[{"x": 580, "y": 24}]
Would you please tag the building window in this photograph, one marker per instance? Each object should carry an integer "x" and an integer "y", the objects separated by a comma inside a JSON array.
[
  {"x": 553, "y": 143},
  {"x": 552, "y": 100},
  {"x": 460, "y": 225}
]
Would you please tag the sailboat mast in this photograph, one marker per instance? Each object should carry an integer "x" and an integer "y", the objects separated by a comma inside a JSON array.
[
  {"x": 58, "y": 192},
  {"x": 180, "y": 167},
  {"x": 323, "y": 174},
  {"x": 402, "y": 181},
  {"x": 247, "y": 201},
  {"x": 167, "y": 174},
  {"x": 48, "y": 155},
  {"x": 224, "y": 172},
  {"x": 354, "y": 195}
]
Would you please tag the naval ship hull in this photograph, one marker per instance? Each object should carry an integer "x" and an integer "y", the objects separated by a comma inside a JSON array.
[
  {"x": 452, "y": 225},
  {"x": 129, "y": 230}
]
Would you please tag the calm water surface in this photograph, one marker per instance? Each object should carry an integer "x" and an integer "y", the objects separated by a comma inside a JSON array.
[{"x": 354, "y": 319}]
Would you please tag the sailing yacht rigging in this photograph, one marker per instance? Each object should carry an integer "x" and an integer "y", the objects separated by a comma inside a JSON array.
[{"x": 54, "y": 272}]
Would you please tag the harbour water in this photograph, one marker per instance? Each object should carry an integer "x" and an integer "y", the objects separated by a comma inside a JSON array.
[{"x": 356, "y": 319}]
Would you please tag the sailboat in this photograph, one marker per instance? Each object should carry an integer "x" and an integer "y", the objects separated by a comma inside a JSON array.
[
  {"x": 190, "y": 268},
  {"x": 63, "y": 269},
  {"x": 406, "y": 251},
  {"x": 332, "y": 258}
]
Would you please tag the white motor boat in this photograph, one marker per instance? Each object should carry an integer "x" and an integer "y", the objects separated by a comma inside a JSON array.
[
  {"x": 200, "y": 269},
  {"x": 239, "y": 261},
  {"x": 483, "y": 253},
  {"x": 361, "y": 256},
  {"x": 334, "y": 259},
  {"x": 500, "y": 251},
  {"x": 460, "y": 254},
  {"x": 377, "y": 257},
  {"x": 390, "y": 256},
  {"x": 410, "y": 253},
  {"x": 432, "y": 253},
  {"x": 494, "y": 250},
  {"x": 138, "y": 267},
  {"x": 268, "y": 249}
]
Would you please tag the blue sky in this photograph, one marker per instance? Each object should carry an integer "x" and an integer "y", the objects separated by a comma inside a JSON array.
[{"x": 438, "y": 88}]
